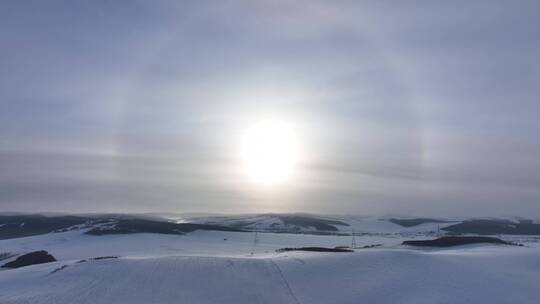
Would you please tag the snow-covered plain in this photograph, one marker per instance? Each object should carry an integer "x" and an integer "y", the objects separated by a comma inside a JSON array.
[{"x": 217, "y": 267}]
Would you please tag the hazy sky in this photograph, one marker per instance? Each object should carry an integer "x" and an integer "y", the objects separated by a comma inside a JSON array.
[{"x": 412, "y": 107}]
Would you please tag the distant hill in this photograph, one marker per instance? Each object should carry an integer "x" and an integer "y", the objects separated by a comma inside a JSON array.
[
  {"x": 15, "y": 226},
  {"x": 127, "y": 226},
  {"x": 317, "y": 223},
  {"x": 23, "y": 225},
  {"x": 280, "y": 223},
  {"x": 416, "y": 221},
  {"x": 495, "y": 226}
]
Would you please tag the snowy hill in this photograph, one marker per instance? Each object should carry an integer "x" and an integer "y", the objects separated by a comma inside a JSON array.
[
  {"x": 317, "y": 224},
  {"x": 207, "y": 262},
  {"x": 149, "y": 280},
  {"x": 217, "y": 267},
  {"x": 14, "y": 226},
  {"x": 362, "y": 225}
]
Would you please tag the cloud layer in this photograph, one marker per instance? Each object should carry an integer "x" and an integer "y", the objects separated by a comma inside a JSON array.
[{"x": 416, "y": 107}]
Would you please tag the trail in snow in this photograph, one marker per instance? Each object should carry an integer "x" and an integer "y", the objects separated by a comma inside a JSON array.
[
  {"x": 151, "y": 280},
  {"x": 285, "y": 282}
]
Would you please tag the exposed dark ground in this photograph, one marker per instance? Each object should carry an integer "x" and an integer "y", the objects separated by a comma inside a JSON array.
[
  {"x": 36, "y": 257},
  {"x": 415, "y": 221},
  {"x": 314, "y": 249},
  {"x": 448, "y": 241}
]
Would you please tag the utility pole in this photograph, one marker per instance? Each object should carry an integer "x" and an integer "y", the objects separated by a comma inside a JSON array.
[
  {"x": 255, "y": 240},
  {"x": 353, "y": 241}
]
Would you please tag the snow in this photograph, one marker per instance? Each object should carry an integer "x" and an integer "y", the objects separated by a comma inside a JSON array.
[
  {"x": 73, "y": 245},
  {"x": 151, "y": 280},
  {"x": 202, "y": 267},
  {"x": 408, "y": 276},
  {"x": 376, "y": 225}
]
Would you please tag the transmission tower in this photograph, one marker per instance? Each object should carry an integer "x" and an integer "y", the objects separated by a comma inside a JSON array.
[{"x": 255, "y": 242}]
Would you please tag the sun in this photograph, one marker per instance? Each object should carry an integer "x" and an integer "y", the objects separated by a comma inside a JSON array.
[{"x": 269, "y": 152}]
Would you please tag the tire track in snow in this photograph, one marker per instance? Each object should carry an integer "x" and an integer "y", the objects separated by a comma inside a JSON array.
[{"x": 285, "y": 282}]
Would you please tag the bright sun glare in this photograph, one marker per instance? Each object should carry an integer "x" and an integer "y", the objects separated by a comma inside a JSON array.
[{"x": 269, "y": 151}]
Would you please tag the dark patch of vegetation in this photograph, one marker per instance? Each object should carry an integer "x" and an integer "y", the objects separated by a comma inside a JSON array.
[
  {"x": 307, "y": 221},
  {"x": 448, "y": 241},
  {"x": 415, "y": 221},
  {"x": 361, "y": 247},
  {"x": 127, "y": 226},
  {"x": 104, "y": 258},
  {"x": 58, "y": 269},
  {"x": 371, "y": 246},
  {"x": 15, "y": 226},
  {"x": 490, "y": 227},
  {"x": 36, "y": 257},
  {"x": 315, "y": 249}
]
